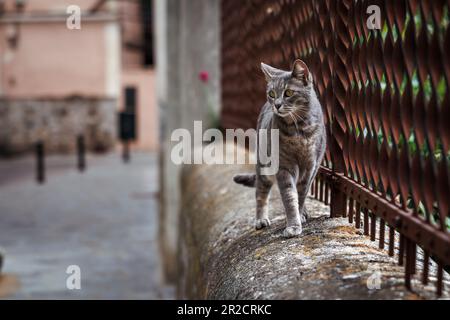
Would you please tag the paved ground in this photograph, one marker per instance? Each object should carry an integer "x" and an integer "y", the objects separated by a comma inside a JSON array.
[{"x": 103, "y": 220}]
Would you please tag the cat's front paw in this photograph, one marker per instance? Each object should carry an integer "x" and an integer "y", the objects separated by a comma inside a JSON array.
[
  {"x": 293, "y": 231},
  {"x": 262, "y": 223}
]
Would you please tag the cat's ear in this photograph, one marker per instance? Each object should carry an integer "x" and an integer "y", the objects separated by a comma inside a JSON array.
[
  {"x": 269, "y": 72},
  {"x": 301, "y": 72}
]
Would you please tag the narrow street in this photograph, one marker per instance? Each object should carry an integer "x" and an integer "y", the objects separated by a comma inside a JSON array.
[{"x": 103, "y": 220}]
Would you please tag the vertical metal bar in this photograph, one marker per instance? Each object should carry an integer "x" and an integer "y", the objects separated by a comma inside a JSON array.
[
  {"x": 408, "y": 263},
  {"x": 358, "y": 216},
  {"x": 426, "y": 264},
  {"x": 350, "y": 210},
  {"x": 382, "y": 232},
  {"x": 440, "y": 277},
  {"x": 413, "y": 257},
  {"x": 366, "y": 221},
  {"x": 345, "y": 213},
  {"x": 401, "y": 250},
  {"x": 391, "y": 241},
  {"x": 337, "y": 202},
  {"x": 321, "y": 185},
  {"x": 40, "y": 162},
  {"x": 373, "y": 226},
  {"x": 341, "y": 37}
]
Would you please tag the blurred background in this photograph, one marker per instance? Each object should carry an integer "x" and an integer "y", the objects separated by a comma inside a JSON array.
[{"x": 86, "y": 111}]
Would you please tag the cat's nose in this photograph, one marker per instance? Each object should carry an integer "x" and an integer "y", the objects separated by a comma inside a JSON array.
[{"x": 278, "y": 105}]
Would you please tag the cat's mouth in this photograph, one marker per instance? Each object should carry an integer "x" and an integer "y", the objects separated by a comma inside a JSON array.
[{"x": 280, "y": 114}]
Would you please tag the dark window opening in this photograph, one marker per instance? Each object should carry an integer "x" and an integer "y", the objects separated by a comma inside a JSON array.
[{"x": 147, "y": 32}]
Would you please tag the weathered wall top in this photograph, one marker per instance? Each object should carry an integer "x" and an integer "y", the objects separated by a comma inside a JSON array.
[{"x": 221, "y": 256}]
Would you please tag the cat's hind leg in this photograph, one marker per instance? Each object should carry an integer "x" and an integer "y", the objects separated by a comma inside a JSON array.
[
  {"x": 263, "y": 186},
  {"x": 304, "y": 215},
  {"x": 303, "y": 187}
]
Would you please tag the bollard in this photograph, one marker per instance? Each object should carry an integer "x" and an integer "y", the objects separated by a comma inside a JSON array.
[
  {"x": 40, "y": 164},
  {"x": 81, "y": 151},
  {"x": 126, "y": 151}
]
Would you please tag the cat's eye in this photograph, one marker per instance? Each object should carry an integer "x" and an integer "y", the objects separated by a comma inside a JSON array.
[
  {"x": 288, "y": 93},
  {"x": 272, "y": 94}
]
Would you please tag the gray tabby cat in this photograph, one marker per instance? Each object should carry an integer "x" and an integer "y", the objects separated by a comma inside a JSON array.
[{"x": 293, "y": 108}]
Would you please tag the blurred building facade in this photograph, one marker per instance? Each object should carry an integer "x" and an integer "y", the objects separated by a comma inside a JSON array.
[{"x": 57, "y": 82}]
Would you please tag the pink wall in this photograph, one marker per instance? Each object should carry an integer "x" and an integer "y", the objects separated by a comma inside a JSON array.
[
  {"x": 50, "y": 5},
  {"x": 51, "y": 60},
  {"x": 131, "y": 33}
]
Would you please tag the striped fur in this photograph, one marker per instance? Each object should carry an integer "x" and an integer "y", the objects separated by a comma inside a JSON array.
[{"x": 302, "y": 144}]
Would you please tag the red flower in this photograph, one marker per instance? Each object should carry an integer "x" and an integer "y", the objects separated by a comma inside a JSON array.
[{"x": 203, "y": 76}]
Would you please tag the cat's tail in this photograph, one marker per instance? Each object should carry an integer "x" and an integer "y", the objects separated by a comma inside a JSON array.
[{"x": 248, "y": 180}]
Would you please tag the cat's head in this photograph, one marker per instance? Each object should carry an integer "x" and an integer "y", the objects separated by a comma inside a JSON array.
[{"x": 288, "y": 92}]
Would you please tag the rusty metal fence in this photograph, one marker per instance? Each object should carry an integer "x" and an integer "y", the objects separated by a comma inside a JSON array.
[{"x": 385, "y": 95}]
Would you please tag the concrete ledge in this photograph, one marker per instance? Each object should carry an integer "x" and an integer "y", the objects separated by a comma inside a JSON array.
[{"x": 221, "y": 255}]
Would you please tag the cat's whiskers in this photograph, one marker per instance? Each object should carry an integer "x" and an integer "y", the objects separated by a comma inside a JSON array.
[
  {"x": 298, "y": 116},
  {"x": 295, "y": 122},
  {"x": 282, "y": 115}
]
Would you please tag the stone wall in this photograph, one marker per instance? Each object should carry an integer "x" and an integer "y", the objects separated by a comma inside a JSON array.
[
  {"x": 222, "y": 256},
  {"x": 57, "y": 122}
]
